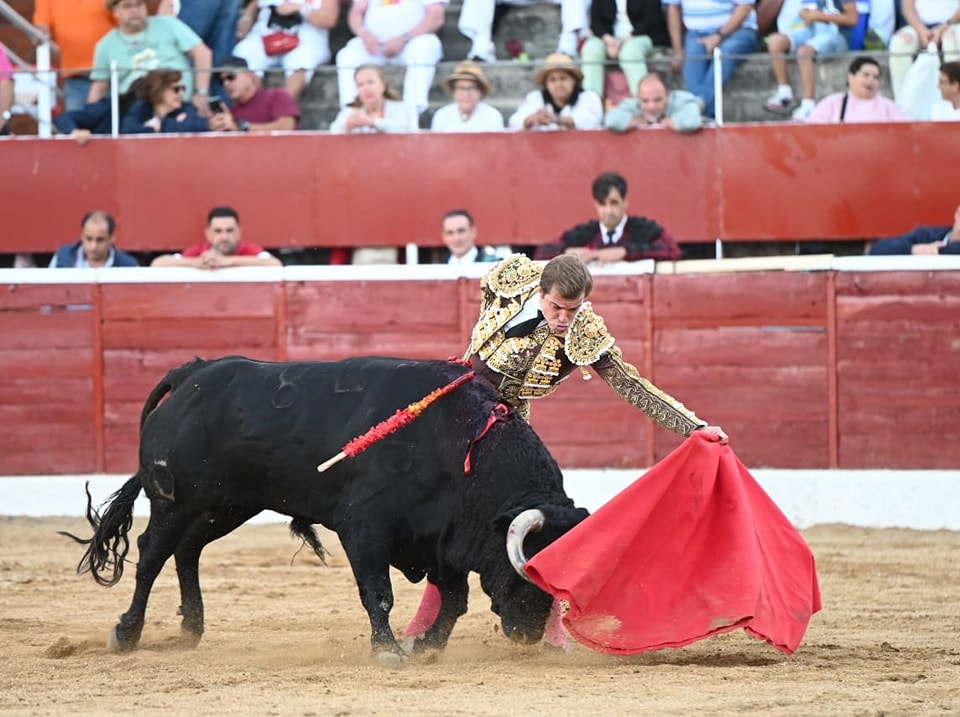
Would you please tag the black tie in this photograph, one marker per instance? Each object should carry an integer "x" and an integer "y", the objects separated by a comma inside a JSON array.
[
  {"x": 525, "y": 327},
  {"x": 610, "y": 235}
]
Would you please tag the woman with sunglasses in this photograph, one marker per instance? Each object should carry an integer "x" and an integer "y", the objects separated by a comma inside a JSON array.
[{"x": 161, "y": 107}]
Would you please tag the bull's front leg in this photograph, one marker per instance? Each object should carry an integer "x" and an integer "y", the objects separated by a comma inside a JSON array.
[
  {"x": 371, "y": 569},
  {"x": 453, "y": 590}
]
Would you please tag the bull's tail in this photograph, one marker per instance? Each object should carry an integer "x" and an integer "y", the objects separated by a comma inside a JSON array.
[
  {"x": 167, "y": 384},
  {"x": 107, "y": 549}
]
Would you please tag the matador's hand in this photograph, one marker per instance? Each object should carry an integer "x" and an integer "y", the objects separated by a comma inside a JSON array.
[{"x": 717, "y": 431}]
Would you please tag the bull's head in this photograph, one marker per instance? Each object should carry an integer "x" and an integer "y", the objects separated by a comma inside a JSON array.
[{"x": 522, "y": 606}]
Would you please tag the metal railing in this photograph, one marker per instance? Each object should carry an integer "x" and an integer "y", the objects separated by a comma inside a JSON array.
[{"x": 43, "y": 73}]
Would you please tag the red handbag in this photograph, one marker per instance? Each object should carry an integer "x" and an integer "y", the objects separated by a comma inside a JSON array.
[{"x": 278, "y": 43}]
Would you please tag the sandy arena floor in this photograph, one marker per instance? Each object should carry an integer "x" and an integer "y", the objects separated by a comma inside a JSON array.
[{"x": 287, "y": 636}]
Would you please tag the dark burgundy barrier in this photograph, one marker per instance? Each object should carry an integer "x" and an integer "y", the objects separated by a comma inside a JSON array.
[
  {"x": 804, "y": 369},
  {"x": 745, "y": 182}
]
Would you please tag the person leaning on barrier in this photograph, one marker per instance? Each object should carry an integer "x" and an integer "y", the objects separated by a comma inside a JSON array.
[
  {"x": 923, "y": 240},
  {"x": 862, "y": 102},
  {"x": 377, "y": 107},
  {"x": 613, "y": 236},
  {"x": 96, "y": 247},
  {"x": 468, "y": 112},
  {"x": 459, "y": 234},
  {"x": 655, "y": 106},
  {"x": 561, "y": 103},
  {"x": 254, "y": 108},
  {"x": 535, "y": 329},
  {"x": 222, "y": 248}
]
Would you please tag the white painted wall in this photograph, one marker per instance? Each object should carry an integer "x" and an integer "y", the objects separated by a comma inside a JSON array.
[{"x": 922, "y": 500}]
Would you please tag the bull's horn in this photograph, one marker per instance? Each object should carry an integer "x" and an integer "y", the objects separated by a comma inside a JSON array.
[{"x": 525, "y": 522}]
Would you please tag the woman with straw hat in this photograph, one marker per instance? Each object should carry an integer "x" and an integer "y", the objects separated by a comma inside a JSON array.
[
  {"x": 468, "y": 112},
  {"x": 561, "y": 103}
]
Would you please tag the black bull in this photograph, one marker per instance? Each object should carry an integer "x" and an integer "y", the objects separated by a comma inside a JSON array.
[{"x": 235, "y": 437}]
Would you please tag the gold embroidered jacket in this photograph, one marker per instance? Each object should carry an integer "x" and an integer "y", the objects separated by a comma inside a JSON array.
[{"x": 532, "y": 366}]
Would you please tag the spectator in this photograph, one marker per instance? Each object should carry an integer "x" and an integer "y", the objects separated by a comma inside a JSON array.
[
  {"x": 655, "y": 106},
  {"x": 394, "y": 33},
  {"x": 928, "y": 21},
  {"x": 730, "y": 25},
  {"x": 161, "y": 107},
  {"x": 96, "y": 118},
  {"x": 254, "y": 108},
  {"x": 222, "y": 248},
  {"x": 477, "y": 16},
  {"x": 468, "y": 112},
  {"x": 823, "y": 29},
  {"x": 460, "y": 238},
  {"x": 214, "y": 21},
  {"x": 141, "y": 43},
  {"x": 923, "y": 240},
  {"x": 615, "y": 236},
  {"x": 96, "y": 247},
  {"x": 6, "y": 92},
  {"x": 304, "y": 25},
  {"x": 76, "y": 27},
  {"x": 561, "y": 102},
  {"x": 377, "y": 107},
  {"x": 861, "y": 102},
  {"x": 948, "y": 108},
  {"x": 627, "y": 37}
]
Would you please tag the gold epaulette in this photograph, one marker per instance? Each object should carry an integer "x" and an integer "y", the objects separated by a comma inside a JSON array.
[
  {"x": 514, "y": 275},
  {"x": 587, "y": 339}
]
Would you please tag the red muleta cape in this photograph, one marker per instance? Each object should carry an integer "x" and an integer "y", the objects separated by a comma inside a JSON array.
[{"x": 692, "y": 548}]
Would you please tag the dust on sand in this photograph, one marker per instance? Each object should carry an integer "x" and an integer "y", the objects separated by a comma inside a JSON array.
[{"x": 287, "y": 636}]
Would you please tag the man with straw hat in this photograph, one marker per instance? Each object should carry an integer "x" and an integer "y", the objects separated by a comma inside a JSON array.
[
  {"x": 468, "y": 112},
  {"x": 561, "y": 102}
]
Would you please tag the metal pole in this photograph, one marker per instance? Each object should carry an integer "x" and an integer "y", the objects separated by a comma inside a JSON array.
[
  {"x": 114, "y": 100},
  {"x": 47, "y": 83},
  {"x": 718, "y": 85}
]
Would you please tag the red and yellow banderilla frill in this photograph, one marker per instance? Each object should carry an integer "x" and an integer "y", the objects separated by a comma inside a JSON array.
[{"x": 397, "y": 421}]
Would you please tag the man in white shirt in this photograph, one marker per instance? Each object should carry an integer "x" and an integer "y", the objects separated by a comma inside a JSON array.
[{"x": 460, "y": 237}]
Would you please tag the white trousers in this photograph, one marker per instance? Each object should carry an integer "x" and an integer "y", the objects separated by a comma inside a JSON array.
[
  {"x": 420, "y": 56},
  {"x": 476, "y": 16}
]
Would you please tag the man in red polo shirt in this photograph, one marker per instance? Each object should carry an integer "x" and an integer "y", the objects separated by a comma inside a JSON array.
[{"x": 222, "y": 248}]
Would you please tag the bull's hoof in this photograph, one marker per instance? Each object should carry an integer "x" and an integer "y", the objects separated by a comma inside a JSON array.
[
  {"x": 116, "y": 645},
  {"x": 391, "y": 659},
  {"x": 189, "y": 639}
]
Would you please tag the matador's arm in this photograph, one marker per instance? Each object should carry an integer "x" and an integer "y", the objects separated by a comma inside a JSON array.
[{"x": 624, "y": 378}]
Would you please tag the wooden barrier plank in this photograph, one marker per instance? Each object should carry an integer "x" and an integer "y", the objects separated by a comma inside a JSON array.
[
  {"x": 333, "y": 347},
  {"x": 47, "y": 362},
  {"x": 66, "y": 459},
  {"x": 228, "y": 300},
  {"x": 123, "y": 443},
  {"x": 767, "y": 298},
  {"x": 935, "y": 198},
  {"x": 206, "y": 334},
  {"x": 55, "y": 329},
  {"x": 43, "y": 297}
]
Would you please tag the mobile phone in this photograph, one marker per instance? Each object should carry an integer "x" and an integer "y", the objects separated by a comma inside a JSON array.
[{"x": 215, "y": 104}]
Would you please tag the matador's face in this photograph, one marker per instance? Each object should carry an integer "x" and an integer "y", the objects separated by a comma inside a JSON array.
[{"x": 559, "y": 311}]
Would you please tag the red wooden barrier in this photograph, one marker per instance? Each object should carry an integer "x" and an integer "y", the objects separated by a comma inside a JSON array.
[
  {"x": 747, "y": 182},
  {"x": 801, "y": 375}
]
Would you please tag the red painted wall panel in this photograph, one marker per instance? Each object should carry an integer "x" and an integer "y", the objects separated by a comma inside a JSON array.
[{"x": 312, "y": 189}]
